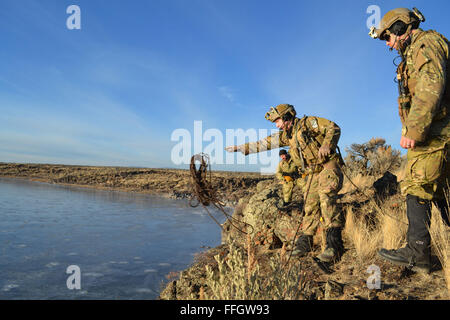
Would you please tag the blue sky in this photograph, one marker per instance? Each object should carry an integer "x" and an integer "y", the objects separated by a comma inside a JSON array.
[{"x": 113, "y": 92}]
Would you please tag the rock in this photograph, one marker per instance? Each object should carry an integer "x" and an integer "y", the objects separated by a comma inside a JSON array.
[{"x": 260, "y": 216}]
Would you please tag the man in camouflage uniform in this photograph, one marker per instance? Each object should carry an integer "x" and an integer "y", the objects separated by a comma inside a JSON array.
[
  {"x": 288, "y": 174},
  {"x": 424, "y": 101},
  {"x": 313, "y": 142}
]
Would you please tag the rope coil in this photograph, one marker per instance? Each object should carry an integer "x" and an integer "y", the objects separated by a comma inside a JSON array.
[{"x": 205, "y": 193}]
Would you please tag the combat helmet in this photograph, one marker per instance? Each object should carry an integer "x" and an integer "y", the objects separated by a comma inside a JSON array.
[
  {"x": 397, "y": 21},
  {"x": 284, "y": 111}
]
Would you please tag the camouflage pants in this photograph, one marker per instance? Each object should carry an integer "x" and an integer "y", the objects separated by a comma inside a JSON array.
[
  {"x": 320, "y": 205},
  {"x": 427, "y": 171},
  {"x": 288, "y": 187}
]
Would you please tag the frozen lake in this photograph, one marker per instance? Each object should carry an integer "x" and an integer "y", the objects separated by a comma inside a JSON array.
[{"x": 123, "y": 243}]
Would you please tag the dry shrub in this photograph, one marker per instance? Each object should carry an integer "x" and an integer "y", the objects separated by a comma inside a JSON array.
[
  {"x": 236, "y": 280},
  {"x": 367, "y": 162},
  {"x": 384, "y": 159},
  {"x": 372, "y": 158},
  {"x": 440, "y": 242}
]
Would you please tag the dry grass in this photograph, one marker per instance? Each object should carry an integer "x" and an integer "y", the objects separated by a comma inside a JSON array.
[
  {"x": 440, "y": 242},
  {"x": 376, "y": 226},
  {"x": 240, "y": 277},
  {"x": 388, "y": 230},
  {"x": 393, "y": 226},
  {"x": 364, "y": 239}
]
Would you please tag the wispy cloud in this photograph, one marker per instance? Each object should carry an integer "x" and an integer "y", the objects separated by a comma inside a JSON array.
[{"x": 228, "y": 93}]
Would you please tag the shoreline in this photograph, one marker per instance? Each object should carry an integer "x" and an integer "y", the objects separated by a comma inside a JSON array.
[
  {"x": 168, "y": 183},
  {"x": 94, "y": 187}
]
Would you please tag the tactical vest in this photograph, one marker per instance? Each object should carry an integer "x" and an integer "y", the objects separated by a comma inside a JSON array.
[
  {"x": 305, "y": 144},
  {"x": 407, "y": 75}
]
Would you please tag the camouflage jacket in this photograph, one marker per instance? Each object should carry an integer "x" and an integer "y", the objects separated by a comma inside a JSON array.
[
  {"x": 424, "y": 99},
  {"x": 286, "y": 168},
  {"x": 304, "y": 138}
]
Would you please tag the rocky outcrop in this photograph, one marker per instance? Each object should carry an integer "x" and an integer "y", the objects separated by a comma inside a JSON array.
[
  {"x": 259, "y": 215},
  {"x": 257, "y": 222},
  {"x": 253, "y": 261}
]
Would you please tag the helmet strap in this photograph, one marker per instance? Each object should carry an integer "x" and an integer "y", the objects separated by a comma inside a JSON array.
[
  {"x": 395, "y": 42},
  {"x": 403, "y": 44}
]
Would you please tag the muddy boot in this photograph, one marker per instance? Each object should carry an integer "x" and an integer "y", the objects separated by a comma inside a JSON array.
[
  {"x": 334, "y": 246},
  {"x": 416, "y": 255},
  {"x": 303, "y": 245}
]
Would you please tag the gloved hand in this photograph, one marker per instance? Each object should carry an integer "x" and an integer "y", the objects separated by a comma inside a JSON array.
[{"x": 324, "y": 152}]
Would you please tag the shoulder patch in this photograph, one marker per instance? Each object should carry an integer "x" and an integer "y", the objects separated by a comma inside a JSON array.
[
  {"x": 421, "y": 59},
  {"x": 314, "y": 123}
]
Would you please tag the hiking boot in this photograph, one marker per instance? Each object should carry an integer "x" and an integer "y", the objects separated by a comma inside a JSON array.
[
  {"x": 334, "y": 246},
  {"x": 405, "y": 257},
  {"x": 303, "y": 245},
  {"x": 416, "y": 255}
]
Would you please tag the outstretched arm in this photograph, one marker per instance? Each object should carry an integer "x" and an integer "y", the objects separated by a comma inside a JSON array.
[{"x": 268, "y": 143}]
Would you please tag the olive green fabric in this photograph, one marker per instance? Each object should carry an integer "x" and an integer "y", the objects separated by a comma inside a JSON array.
[
  {"x": 320, "y": 204},
  {"x": 427, "y": 171},
  {"x": 287, "y": 168},
  {"x": 305, "y": 138},
  {"x": 424, "y": 108},
  {"x": 425, "y": 115},
  {"x": 308, "y": 134}
]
